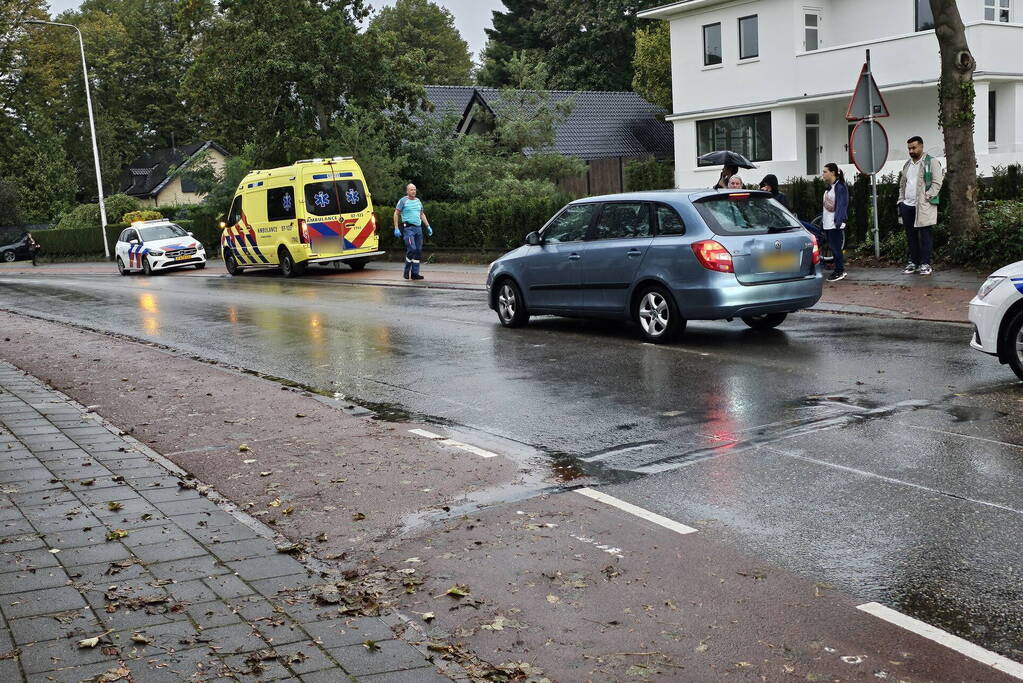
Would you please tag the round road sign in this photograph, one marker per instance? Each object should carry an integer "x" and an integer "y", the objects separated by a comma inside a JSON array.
[{"x": 869, "y": 145}]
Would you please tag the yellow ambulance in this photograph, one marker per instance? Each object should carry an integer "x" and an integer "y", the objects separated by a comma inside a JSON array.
[{"x": 316, "y": 211}]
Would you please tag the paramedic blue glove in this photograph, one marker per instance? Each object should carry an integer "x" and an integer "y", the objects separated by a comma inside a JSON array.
[
  {"x": 397, "y": 233},
  {"x": 429, "y": 231}
]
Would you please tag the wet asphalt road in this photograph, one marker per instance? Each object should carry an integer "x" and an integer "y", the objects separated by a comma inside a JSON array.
[{"x": 881, "y": 457}]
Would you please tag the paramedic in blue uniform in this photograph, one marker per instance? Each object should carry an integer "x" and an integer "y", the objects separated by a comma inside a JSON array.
[{"x": 409, "y": 221}]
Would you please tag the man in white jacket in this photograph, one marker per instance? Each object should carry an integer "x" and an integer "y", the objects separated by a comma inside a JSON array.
[{"x": 919, "y": 186}]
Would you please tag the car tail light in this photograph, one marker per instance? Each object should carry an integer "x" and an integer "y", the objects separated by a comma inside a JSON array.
[
  {"x": 816, "y": 251},
  {"x": 736, "y": 196},
  {"x": 713, "y": 256},
  {"x": 303, "y": 231}
]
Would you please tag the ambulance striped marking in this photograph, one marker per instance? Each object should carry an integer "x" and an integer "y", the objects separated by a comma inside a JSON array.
[
  {"x": 251, "y": 234},
  {"x": 241, "y": 238},
  {"x": 233, "y": 241},
  {"x": 360, "y": 239},
  {"x": 327, "y": 228}
]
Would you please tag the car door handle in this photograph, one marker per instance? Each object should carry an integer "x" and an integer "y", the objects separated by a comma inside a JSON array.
[
  {"x": 634, "y": 252},
  {"x": 573, "y": 257}
]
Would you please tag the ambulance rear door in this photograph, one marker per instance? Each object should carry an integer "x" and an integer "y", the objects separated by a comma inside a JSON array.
[{"x": 324, "y": 222}]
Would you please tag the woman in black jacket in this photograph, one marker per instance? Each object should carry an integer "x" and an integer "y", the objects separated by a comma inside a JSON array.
[{"x": 770, "y": 184}]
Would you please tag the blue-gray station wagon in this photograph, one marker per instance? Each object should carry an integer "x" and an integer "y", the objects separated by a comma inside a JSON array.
[{"x": 660, "y": 259}]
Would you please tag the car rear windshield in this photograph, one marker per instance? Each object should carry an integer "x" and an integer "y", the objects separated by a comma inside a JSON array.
[
  {"x": 742, "y": 213},
  {"x": 162, "y": 232}
]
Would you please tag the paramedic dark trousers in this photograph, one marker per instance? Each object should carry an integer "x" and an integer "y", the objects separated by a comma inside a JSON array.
[
  {"x": 920, "y": 240},
  {"x": 413, "y": 237}
]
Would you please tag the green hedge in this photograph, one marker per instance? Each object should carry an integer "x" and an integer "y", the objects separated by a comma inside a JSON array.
[
  {"x": 76, "y": 242},
  {"x": 486, "y": 224}
]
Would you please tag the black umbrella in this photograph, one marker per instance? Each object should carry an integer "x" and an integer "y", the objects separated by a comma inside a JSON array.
[{"x": 726, "y": 158}]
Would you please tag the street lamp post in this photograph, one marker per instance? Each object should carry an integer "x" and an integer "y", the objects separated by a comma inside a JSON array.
[{"x": 92, "y": 129}]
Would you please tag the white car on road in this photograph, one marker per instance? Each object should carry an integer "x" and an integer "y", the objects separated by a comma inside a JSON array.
[
  {"x": 158, "y": 245},
  {"x": 997, "y": 316}
]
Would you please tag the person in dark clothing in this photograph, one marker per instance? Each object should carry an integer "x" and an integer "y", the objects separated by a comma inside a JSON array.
[
  {"x": 836, "y": 212},
  {"x": 33, "y": 247},
  {"x": 770, "y": 184},
  {"x": 727, "y": 171}
]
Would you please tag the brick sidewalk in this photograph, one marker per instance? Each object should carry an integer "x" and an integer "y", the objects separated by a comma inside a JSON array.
[{"x": 100, "y": 538}]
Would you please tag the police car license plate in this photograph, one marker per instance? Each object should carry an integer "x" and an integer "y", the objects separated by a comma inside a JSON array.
[
  {"x": 184, "y": 257},
  {"x": 778, "y": 261}
]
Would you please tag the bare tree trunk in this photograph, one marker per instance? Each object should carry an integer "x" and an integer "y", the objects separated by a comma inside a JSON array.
[{"x": 956, "y": 115}]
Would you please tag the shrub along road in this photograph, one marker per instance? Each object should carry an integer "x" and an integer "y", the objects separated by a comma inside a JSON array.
[{"x": 819, "y": 475}]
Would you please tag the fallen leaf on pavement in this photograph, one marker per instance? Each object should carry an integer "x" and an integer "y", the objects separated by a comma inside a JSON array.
[
  {"x": 114, "y": 506},
  {"x": 288, "y": 510},
  {"x": 459, "y": 590},
  {"x": 243, "y": 448},
  {"x": 88, "y": 642},
  {"x": 115, "y": 534},
  {"x": 118, "y": 673},
  {"x": 139, "y": 638},
  {"x": 553, "y": 599},
  {"x": 275, "y": 503},
  {"x": 358, "y": 517},
  {"x": 265, "y": 474},
  {"x": 54, "y": 550},
  {"x": 371, "y": 645},
  {"x": 322, "y": 538},
  {"x": 249, "y": 461},
  {"x": 87, "y": 482}
]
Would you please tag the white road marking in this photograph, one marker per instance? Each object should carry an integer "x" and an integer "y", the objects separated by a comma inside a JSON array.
[
  {"x": 964, "y": 436},
  {"x": 423, "y": 432},
  {"x": 469, "y": 448},
  {"x": 635, "y": 510},
  {"x": 964, "y": 647},
  {"x": 893, "y": 480}
]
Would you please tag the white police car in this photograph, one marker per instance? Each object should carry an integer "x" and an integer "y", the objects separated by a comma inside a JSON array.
[
  {"x": 152, "y": 246},
  {"x": 997, "y": 316}
]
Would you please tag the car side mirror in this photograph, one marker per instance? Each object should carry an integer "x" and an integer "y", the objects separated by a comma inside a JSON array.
[
  {"x": 191, "y": 235},
  {"x": 533, "y": 239},
  {"x": 133, "y": 241}
]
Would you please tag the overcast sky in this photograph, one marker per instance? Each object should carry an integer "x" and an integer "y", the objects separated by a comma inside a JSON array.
[{"x": 471, "y": 16}]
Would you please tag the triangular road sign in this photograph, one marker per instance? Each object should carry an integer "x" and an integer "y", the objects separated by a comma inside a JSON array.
[{"x": 866, "y": 100}]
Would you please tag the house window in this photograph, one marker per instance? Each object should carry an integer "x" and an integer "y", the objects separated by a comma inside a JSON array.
[
  {"x": 813, "y": 144},
  {"x": 748, "y": 135},
  {"x": 811, "y": 30},
  {"x": 924, "y": 16},
  {"x": 996, "y": 10},
  {"x": 749, "y": 43},
  {"x": 711, "y": 44},
  {"x": 991, "y": 111}
]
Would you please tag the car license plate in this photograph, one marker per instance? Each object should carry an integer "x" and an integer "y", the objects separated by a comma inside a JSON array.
[
  {"x": 779, "y": 261},
  {"x": 183, "y": 258}
]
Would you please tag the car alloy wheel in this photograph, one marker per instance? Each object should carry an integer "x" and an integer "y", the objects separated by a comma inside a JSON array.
[
  {"x": 657, "y": 316},
  {"x": 147, "y": 267},
  {"x": 511, "y": 310},
  {"x": 120, "y": 267},
  {"x": 654, "y": 315},
  {"x": 10, "y": 256}
]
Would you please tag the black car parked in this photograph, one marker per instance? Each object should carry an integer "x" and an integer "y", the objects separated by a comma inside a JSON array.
[{"x": 14, "y": 246}]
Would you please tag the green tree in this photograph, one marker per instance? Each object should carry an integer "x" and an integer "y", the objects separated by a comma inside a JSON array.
[
  {"x": 651, "y": 64},
  {"x": 424, "y": 34},
  {"x": 513, "y": 30},
  {"x": 588, "y": 45}
]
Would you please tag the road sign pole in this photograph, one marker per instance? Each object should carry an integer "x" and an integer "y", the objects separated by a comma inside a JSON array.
[{"x": 873, "y": 176}]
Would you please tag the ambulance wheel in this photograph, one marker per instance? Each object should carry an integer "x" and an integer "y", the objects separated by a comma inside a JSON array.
[
  {"x": 289, "y": 268},
  {"x": 120, "y": 267},
  {"x": 231, "y": 263},
  {"x": 147, "y": 267},
  {"x": 357, "y": 265}
]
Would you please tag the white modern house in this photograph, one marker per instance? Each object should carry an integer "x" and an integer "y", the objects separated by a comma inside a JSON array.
[{"x": 772, "y": 79}]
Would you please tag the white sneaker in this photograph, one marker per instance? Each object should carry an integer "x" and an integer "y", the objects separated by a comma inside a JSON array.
[
  {"x": 909, "y": 269},
  {"x": 925, "y": 269}
]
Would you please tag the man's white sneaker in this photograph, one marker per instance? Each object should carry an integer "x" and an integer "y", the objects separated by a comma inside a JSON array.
[
  {"x": 925, "y": 269},
  {"x": 909, "y": 269}
]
